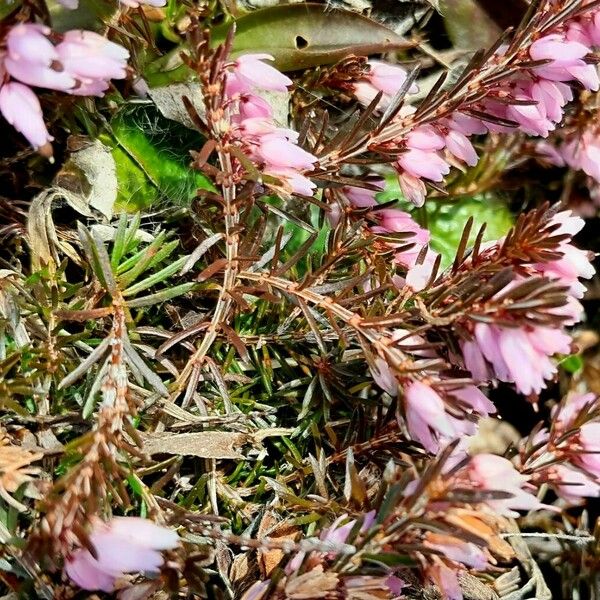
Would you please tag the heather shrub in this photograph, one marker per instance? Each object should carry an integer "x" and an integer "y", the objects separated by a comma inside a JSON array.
[{"x": 299, "y": 301}]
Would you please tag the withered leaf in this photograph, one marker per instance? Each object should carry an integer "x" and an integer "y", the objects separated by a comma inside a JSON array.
[
  {"x": 206, "y": 444},
  {"x": 271, "y": 527}
]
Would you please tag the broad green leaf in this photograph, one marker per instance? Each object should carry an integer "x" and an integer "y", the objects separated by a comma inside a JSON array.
[
  {"x": 305, "y": 35},
  {"x": 159, "y": 150},
  {"x": 135, "y": 190},
  {"x": 298, "y": 36}
]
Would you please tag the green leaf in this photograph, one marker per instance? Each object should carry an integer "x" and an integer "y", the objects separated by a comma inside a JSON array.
[
  {"x": 306, "y": 35},
  {"x": 159, "y": 150},
  {"x": 135, "y": 190},
  {"x": 163, "y": 295},
  {"x": 156, "y": 278},
  {"x": 572, "y": 363},
  {"x": 298, "y": 36}
]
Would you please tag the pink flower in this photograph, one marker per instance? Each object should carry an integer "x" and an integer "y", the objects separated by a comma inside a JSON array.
[
  {"x": 297, "y": 183},
  {"x": 260, "y": 126},
  {"x": 532, "y": 118},
  {"x": 474, "y": 360},
  {"x": 413, "y": 188},
  {"x": 236, "y": 85},
  {"x": 583, "y": 448},
  {"x": 281, "y": 153},
  {"x": 457, "y": 550},
  {"x": 418, "y": 276},
  {"x": 366, "y": 92},
  {"x": 81, "y": 65},
  {"x": 396, "y": 221},
  {"x": 557, "y": 49},
  {"x": 253, "y": 106},
  {"x": 474, "y": 399},
  {"x": 568, "y": 223},
  {"x": 489, "y": 470},
  {"x": 589, "y": 456},
  {"x": 573, "y": 484},
  {"x": 123, "y": 545},
  {"x": 516, "y": 354},
  {"x": 388, "y": 78},
  {"x": 28, "y": 42},
  {"x": 363, "y": 197},
  {"x": 89, "y": 57},
  {"x": 256, "y": 131},
  {"x": 551, "y": 97},
  {"x": 428, "y": 165},
  {"x": 425, "y": 138},
  {"x": 466, "y": 124},
  {"x": 258, "y": 74},
  {"x": 584, "y": 153},
  {"x": 39, "y": 75},
  {"x": 426, "y": 416},
  {"x": 408, "y": 342},
  {"x": 21, "y": 108},
  {"x": 495, "y": 473},
  {"x": 528, "y": 368},
  {"x": 567, "y": 412},
  {"x": 459, "y": 146},
  {"x": 582, "y": 72},
  {"x": 384, "y": 377},
  {"x": 382, "y": 77},
  {"x": 31, "y": 58},
  {"x": 574, "y": 263},
  {"x": 592, "y": 27}
]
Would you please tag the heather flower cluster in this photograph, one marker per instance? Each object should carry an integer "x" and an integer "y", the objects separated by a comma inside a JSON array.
[
  {"x": 437, "y": 410},
  {"x": 384, "y": 221},
  {"x": 506, "y": 491},
  {"x": 273, "y": 147},
  {"x": 81, "y": 64},
  {"x": 217, "y": 313},
  {"x": 523, "y": 354},
  {"x": 532, "y": 102},
  {"x": 578, "y": 149},
  {"x": 306, "y": 573},
  {"x": 566, "y": 456},
  {"x": 498, "y": 490}
]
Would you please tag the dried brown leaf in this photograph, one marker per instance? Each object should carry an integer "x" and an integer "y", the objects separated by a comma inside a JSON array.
[{"x": 206, "y": 444}]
